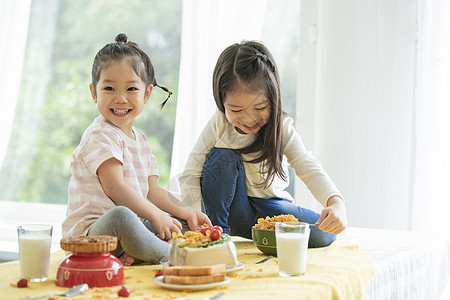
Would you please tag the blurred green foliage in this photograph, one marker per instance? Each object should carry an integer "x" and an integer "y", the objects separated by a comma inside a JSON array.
[{"x": 55, "y": 107}]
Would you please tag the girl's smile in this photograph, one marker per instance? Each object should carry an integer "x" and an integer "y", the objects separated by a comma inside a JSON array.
[
  {"x": 120, "y": 112},
  {"x": 247, "y": 112}
]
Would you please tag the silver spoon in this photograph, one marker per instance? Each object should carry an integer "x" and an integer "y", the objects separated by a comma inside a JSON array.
[
  {"x": 216, "y": 296},
  {"x": 264, "y": 260},
  {"x": 76, "y": 290}
]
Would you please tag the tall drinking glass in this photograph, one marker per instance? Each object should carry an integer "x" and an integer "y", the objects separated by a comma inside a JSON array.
[
  {"x": 292, "y": 247},
  {"x": 34, "y": 251}
]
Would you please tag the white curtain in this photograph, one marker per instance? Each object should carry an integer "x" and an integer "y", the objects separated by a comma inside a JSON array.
[
  {"x": 208, "y": 27},
  {"x": 431, "y": 198},
  {"x": 14, "y": 17}
]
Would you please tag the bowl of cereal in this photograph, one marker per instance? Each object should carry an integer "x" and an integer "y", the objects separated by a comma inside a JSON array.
[
  {"x": 265, "y": 241},
  {"x": 263, "y": 233}
]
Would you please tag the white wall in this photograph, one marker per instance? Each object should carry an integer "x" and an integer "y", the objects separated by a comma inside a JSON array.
[{"x": 359, "y": 103}]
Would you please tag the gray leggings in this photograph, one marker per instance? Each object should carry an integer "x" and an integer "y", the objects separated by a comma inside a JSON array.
[{"x": 135, "y": 237}]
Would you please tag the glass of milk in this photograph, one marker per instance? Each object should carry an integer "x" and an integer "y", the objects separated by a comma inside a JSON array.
[
  {"x": 292, "y": 246},
  {"x": 34, "y": 251}
]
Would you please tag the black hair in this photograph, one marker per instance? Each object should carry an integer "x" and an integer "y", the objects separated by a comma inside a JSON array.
[
  {"x": 123, "y": 48},
  {"x": 250, "y": 66}
]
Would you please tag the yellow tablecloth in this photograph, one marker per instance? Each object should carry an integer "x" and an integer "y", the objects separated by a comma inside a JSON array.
[{"x": 340, "y": 271}]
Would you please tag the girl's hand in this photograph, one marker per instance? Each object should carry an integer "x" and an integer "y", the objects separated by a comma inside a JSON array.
[
  {"x": 196, "y": 219},
  {"x": 333, "y": 218},
  {"x": 165, "y": 225},
  {"x": 110, "y": 174}
]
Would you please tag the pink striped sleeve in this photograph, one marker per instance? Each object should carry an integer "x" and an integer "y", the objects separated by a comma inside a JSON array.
[{"x": 107, "y": 145}]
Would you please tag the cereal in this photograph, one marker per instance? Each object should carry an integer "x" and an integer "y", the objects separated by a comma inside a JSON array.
[
  {"x": 192, "y": 239},
  {"x": 269, "y": 222}
]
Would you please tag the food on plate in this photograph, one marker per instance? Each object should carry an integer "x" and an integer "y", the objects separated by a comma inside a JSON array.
[
  {"x": 159, "y": 273},
  {"x": 195, "y": 270},
  {"x": 269, "y": 222},
  {"x": 89, "y": 244},
  {"x": 194, "y": 279},
  {"x": 194, "y": 274},
  {"x": 207, "y": 246}
]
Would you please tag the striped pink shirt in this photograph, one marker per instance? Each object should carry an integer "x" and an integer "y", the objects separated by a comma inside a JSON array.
[{"x": 100, "y": 142}]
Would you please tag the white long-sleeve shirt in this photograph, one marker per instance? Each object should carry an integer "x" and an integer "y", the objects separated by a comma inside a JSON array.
[{"x": 219, "y": 133}]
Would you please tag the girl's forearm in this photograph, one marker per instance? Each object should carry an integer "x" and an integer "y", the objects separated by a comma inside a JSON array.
[
  {"x": 126, "y": 196},
  {"x": 168, "y": 203}
]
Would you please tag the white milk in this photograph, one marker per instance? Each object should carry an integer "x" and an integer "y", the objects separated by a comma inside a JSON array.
[
  {"x": 34, "y": 255},
  {"x": 291, "y": 252}
]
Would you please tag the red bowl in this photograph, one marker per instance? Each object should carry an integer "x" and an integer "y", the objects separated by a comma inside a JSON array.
[{"x": 95, "y": 269}]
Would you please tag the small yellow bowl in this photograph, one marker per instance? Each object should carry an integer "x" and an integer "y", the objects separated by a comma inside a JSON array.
[{"x": 265, "y": 241}]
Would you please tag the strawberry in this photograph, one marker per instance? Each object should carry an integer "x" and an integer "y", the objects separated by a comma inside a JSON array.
[
  {"x": 22, "y": 283},
  {"x": 124, "y": 292}
]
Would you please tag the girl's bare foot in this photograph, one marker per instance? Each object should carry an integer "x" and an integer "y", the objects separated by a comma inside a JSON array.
[{"x": 126, "y": 260}]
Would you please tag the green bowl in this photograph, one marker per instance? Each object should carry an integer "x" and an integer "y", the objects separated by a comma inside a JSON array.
[{"x": 265, "y": 241}]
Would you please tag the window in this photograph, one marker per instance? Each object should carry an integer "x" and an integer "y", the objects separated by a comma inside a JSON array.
[{"x": 54, "y": 106}]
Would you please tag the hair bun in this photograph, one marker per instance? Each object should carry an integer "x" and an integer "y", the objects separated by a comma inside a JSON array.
[
  {"x": 261, "y": 56},
  {"x": 122, "y": 37}
]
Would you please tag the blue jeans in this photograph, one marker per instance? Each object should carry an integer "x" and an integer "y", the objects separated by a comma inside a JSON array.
[{"x": 225, "y": 200}]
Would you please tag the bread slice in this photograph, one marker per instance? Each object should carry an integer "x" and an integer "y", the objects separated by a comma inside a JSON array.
[
  {"x": 195, "y": 270},
  {"x": 194, "y": 274},
  {"x": 193, "y": 279}
]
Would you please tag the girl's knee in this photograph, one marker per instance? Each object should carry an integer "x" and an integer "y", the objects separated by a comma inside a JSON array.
[
  {"x": 224, "y": 154},
  {"x": 120, "y": 212},
  {"x": 114, "y": 221},
  {"x": 221, "y": 162}
]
